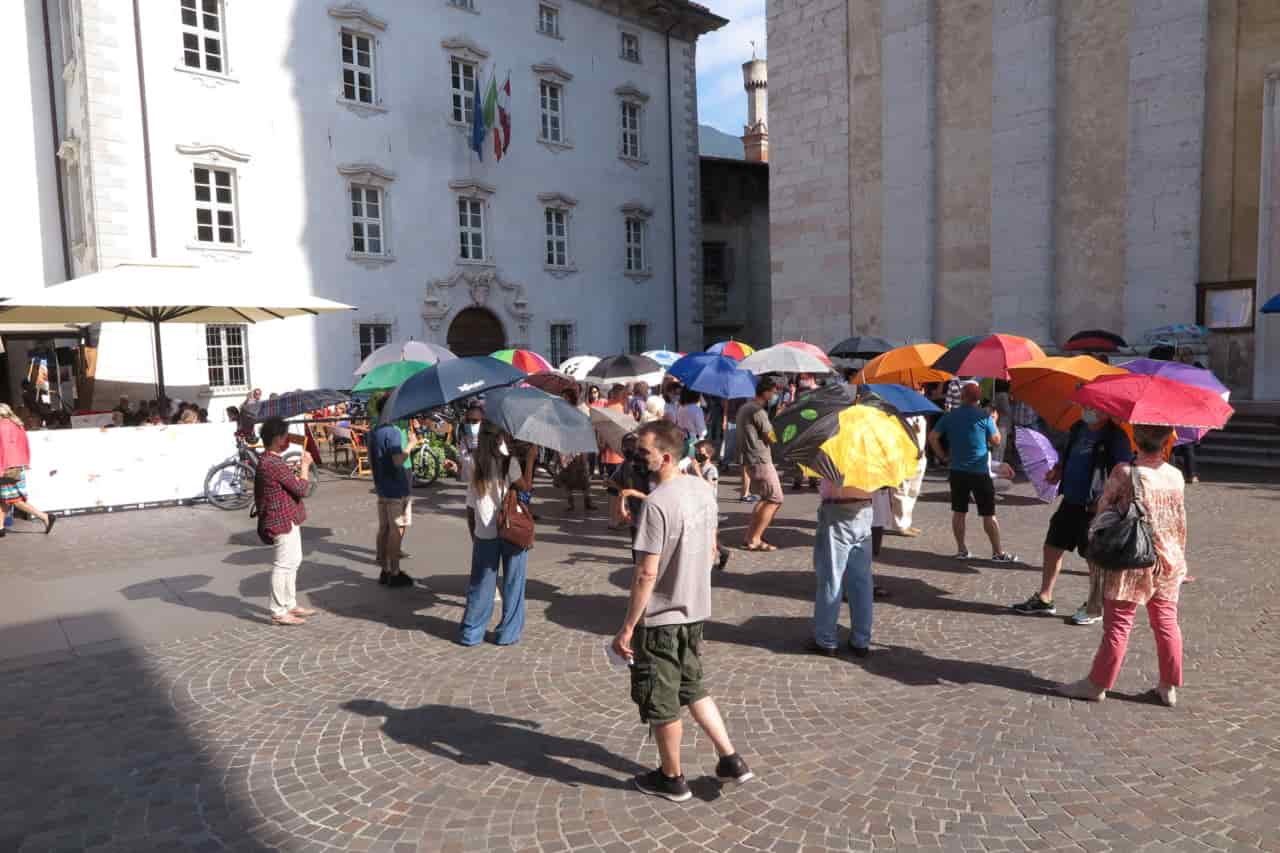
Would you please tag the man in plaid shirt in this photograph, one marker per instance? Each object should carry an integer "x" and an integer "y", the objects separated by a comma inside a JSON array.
[{"x": 277, "y": 496}]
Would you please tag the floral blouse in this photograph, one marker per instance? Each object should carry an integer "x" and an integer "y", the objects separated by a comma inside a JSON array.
[{"x": 1162, "y": 489}]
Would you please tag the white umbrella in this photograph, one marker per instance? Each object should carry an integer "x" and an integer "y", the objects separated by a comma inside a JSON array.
[
  {"x": 612, "y": 426},
  {"x": 579, "y": 366},
  {"x": 158, "y": 293},
  {"x": 404, "y": 351},
  {"x": 783, "y": 359}
]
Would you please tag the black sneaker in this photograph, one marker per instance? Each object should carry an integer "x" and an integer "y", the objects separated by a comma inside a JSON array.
[
  {"x": 658, "y": 784},
  {"x": 859, "y": 651},
  {"x": 723, "y": 561},
  {"x": 1035, "y": 606},
  {"x": 818, "y": 649},
  {"x": 399, "y": 579},
  {"x": 733, "y": 768}
]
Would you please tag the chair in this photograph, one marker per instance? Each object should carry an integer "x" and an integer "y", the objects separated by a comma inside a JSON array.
[{"x": 360, "y": 450}]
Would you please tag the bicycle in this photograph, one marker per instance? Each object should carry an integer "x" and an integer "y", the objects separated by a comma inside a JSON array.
[{"x": 229, "y": 484}]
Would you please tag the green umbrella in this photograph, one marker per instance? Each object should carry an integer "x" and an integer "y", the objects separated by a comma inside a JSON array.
[{"x": 388, "y": 376}]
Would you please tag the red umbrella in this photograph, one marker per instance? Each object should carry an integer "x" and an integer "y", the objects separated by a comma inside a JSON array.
[
  {"x": 988, "y": 356},
  {"x": 1094, "y": 340},
  {"x": 814, "y": 351},
  {"x": 1141, "y": 399}
]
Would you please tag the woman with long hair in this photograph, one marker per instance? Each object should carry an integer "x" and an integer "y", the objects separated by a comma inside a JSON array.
[
  {"x": 1156, "y": 587},
  {"x": 15, "y": 459},
  {"x": 494, "y": 471}
]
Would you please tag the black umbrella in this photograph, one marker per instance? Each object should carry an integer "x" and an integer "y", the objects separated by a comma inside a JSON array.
[
  {"x": 1095, "y": 340},
  {"x": 625, "y": 370},
  {"x": 807, "y": 410},
  {"x": 862, "y": 346},
  {"x": 294, "y": 403},
  {"x": 448, "y": 381},
  {"x": 536, "y": 417}
]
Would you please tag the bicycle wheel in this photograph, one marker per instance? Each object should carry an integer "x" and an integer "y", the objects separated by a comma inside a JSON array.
[
  {"x": 427, "y": 465},
  {"x": 229, "y": 486},
  {"x": 294, "y": 461}
]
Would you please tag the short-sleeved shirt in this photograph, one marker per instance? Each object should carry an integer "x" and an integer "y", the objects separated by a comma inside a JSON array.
[
  {"x": 967, "y": 429},
  {"x": 487, "y": 501},
  {"x": 1079, "y": 483},
  {"x": 390, "y": 480},
  {"x": 678, "y": 523},
  {"x": 753, "y": 427}
]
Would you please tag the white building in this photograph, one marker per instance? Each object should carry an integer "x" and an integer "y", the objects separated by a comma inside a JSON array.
[{"x": 323, "y": 146}]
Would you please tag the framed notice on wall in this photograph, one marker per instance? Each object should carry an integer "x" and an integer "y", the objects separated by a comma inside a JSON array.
[{"x": 1226, "y": 306}]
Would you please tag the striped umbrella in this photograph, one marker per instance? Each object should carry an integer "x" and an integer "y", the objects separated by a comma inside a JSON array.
[
  {"x": 735, "y": 350},
  {"x": 523, "y": 359}
]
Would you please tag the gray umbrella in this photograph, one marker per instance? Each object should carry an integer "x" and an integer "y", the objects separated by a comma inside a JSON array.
[{"x": 538, "y": 418}]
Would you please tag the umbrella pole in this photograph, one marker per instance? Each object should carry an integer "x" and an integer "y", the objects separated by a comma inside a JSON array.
[{"x": 155, "y": 328}]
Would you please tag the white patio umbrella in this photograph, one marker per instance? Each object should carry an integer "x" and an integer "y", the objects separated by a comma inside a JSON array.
[{"x": 155, "y": 293}]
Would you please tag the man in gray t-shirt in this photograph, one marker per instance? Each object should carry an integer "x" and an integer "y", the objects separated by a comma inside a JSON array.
[{"x": 670, "y": 599}]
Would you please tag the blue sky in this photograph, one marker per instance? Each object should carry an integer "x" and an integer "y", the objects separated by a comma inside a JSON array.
[{"x": 722, "y": 103}]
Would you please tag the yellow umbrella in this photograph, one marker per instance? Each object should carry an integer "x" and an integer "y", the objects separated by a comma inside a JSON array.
[
  {"x": 1046, "y": 385},
  {"x": 858, "y": 447}
]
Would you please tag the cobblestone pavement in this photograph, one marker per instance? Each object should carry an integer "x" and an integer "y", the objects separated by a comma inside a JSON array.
[{"x": 368, "y": 729}]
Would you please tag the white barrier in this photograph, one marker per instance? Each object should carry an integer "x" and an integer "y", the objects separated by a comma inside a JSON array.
[{"x": 124, "y": 467}]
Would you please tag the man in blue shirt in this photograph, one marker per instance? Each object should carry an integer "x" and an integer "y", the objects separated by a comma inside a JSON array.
[
  {"x": 387, "y": 455},
  {"x": 1095, "y": 446},
  {"x": 970, "y": 432}
]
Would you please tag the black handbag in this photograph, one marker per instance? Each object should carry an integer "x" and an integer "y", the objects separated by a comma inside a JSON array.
[{"x": 1122, "y": 541}]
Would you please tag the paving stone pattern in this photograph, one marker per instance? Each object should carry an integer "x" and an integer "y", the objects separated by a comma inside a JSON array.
[{"x": 369, "y": 729}]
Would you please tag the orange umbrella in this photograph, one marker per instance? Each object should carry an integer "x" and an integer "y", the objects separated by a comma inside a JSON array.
[
  {"x": 909, "y": 365},
  {"x": 1047, "y": 384}
]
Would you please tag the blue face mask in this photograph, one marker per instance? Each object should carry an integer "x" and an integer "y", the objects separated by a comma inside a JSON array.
[{"x": 773, "y": 401}]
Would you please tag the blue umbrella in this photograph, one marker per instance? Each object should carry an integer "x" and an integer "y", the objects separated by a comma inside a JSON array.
[
  {"x": 294, "y": 403},
  {"x": 904, "y": 400},
  {"x": 714, "y": 375},
  {"x": 1272, "y": 305},
  {"x": 448, "y": 381}
]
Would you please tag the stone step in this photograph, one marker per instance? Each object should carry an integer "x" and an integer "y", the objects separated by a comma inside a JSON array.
[{"x": 1205, "y": 458}]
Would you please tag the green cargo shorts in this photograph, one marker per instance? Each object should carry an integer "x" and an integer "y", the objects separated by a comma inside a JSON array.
[{"x": 667, "y": 670}]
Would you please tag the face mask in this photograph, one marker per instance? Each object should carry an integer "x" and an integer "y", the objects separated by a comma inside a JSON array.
[
  {"x": 773, "y": 401},
  {"x": 474, "y": 429},
  {"x": 1090, "y": 417},
  {"x": 502, "y": 448}
]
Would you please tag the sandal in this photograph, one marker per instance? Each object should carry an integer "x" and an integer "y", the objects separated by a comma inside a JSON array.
[
  {"x": 288, "y": 619},
  {"x": 760, "y": 546}
]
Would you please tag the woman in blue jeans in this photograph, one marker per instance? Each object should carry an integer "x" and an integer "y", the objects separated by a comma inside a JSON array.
[{"x": 495, "y": 471}]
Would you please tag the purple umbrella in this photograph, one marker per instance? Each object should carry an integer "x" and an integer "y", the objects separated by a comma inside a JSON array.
[
  {"x": 1187, "y": 375},
  {"x": 1038, "y": 457}
]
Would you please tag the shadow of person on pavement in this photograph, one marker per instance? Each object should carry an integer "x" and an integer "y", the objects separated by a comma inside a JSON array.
[
  {"x": 915, "y": 668},
  {"x": 314, "y": 539},
  {"x": 186, "y": 591},
  {"x": 476, "y": 738},
  {"x": 915, "y": 594}
]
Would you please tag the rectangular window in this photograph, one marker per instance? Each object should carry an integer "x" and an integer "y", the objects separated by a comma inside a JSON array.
[
  {"x": 366, "y": 220},
  {"x": 550, "y": 102},
  {"x": 215, "y": 206},
  {"x": 357, "y": 67},
  {"x": 462, "y": 83},
  {"x": 716, "y": 263},
  {"x": 635, "y": 245},
  {"x": 637, "y": 338},
  {"x": 631, "y": 130},
  {"x": 557, "y": 238},
  {"x": 470, "y": 229},
  {"x": 548, "y": 20},
  {"x": 372, "y": 336},
  {"x": 225, "y": 346},
  {"x": 631, "y": 47},
  {"x": 1227, "y": 306},
  {"x": 202, "y": 35},
  {"x": 561, "y": 349}
]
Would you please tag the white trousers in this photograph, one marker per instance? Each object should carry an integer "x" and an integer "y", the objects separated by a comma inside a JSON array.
[
  {"x": 285, "y": 560},
  {"x": 903, "y": 499}
]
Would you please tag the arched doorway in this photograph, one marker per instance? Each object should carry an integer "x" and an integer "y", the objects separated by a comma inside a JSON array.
[{"x": 475, "y": 331}]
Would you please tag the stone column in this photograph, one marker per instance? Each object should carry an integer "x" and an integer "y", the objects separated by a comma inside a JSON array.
[
  {"x": 1024, "y": 38},
  {"x": 910, "y": 168},
  {"x": 1266, "y": 354}
]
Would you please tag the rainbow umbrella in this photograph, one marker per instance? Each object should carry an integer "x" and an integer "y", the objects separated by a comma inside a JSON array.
[
  {"x": 735, "y": 350},
  {"x": 523, "y": 359}
]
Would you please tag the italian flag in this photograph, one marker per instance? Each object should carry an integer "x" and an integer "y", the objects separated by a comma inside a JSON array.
[{"x": 491, "y": 111}]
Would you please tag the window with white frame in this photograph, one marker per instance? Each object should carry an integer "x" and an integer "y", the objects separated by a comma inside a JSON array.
[
  {"x": 203, "y": 36},
  {"x": 548, "y": 20},
  {"x": 637, "y": 338},
  {"x": 462, "y": 85},
  {"x": 471, "y": 229},
  {"x": 357, "y": 67},
  {"x": 373, "y": 336},
  {"x": 557, "y": 242},
  {"x": 227, "y": 356},
  {"x": 551, "y": 107},
  {"x": 635, "y": 257},
  {"x": 366, "y": 220},
  {"x": 631, "y": 130},
  {"x": 630, "y": 47},
  {"x": 215, "y": 199},
  {"x": 561, "y": 349}
]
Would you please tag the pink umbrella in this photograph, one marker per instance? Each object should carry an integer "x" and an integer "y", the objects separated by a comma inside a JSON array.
[
  {"x": 814, "y": 351},
  {"x": 1038, "y": 458}
]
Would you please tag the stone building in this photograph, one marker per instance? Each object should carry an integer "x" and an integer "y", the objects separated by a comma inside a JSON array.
[
  {"x": 324, "y": 146},
  {"x": 736, "y": 301},
  {"x": 1038, "y": 167}
]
